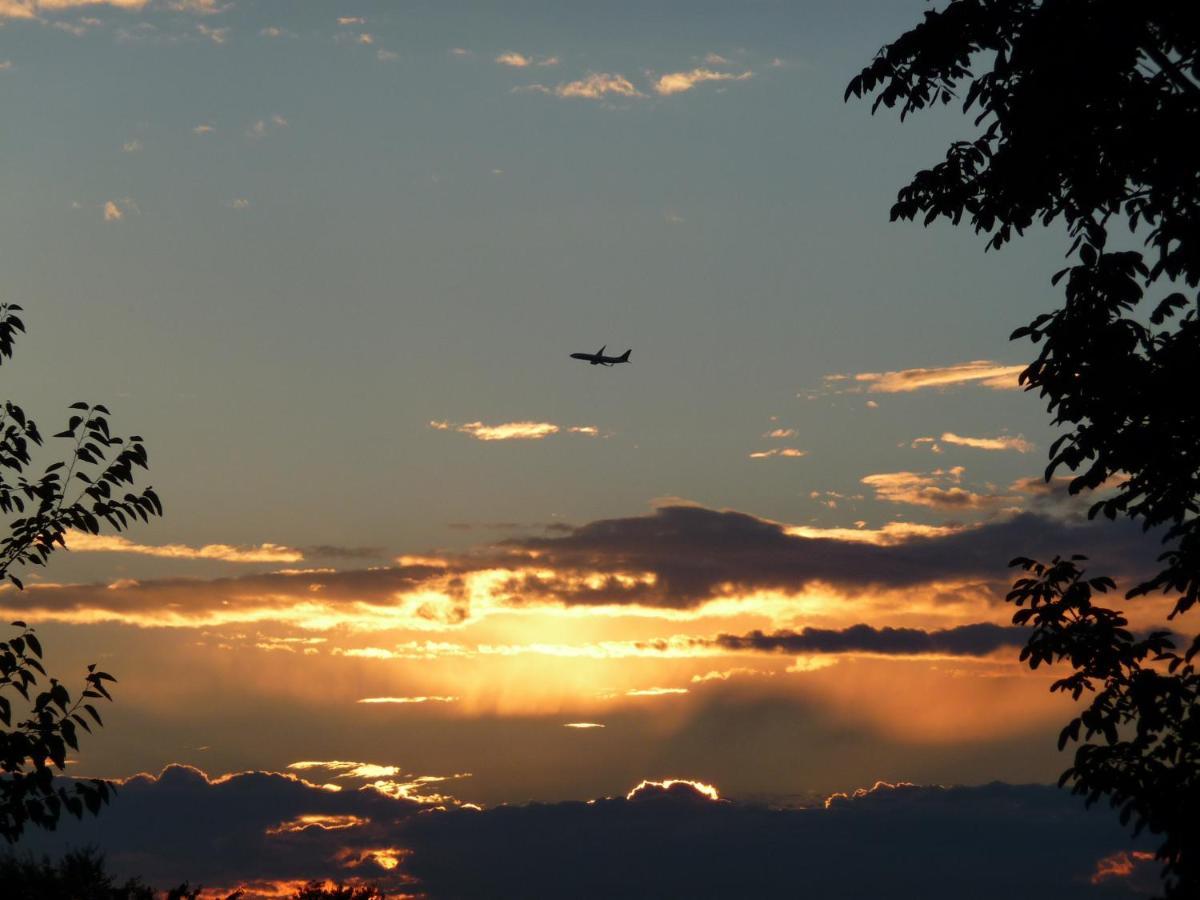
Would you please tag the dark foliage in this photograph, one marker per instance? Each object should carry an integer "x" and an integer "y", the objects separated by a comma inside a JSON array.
[
  {"x": 319, "y": 890},
  {"x": 80, "y": 875},
  {"x": 1081, "y": 108},
  {"x": 79, "y": 492},
  {"x": 1140, "y": 733}
]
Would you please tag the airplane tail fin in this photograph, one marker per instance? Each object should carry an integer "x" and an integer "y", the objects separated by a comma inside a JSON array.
[{"x": 624, "y": 357}]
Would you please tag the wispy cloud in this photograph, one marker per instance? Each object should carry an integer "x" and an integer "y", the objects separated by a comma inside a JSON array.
[
  {"x": 34, "y": 9},
  {"x": 82, "y": 542},
  {"x": 513, "y": 431},
  {"x": 678, "y": 82},
  {"x": 1001, "y": 442},
  {"x": 655, "y": 692},
  {"x": 262, "y": 127},
  {"x": 351, "y": 20},
  {"x": 786, "y": 452},
  {"x": 520, "y": 60},
  {"x": 203, "y": 129},
  {"x": 582, "y": 725},
  {"x": 408, "y": 700},
  {"x": 983, "y": 372},
  {"x": 216, "y": 35},
  {"x": 131, "y": 146},
  {"x": 113, "y": 211}
]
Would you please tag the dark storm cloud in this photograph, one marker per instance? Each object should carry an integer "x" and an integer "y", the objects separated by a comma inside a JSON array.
[
  {"x": 993, "y": 841},
  {"x": 978, "y": 639}
]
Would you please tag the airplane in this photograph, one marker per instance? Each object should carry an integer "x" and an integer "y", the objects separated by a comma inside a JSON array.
[{"x": 599, "y": 359}]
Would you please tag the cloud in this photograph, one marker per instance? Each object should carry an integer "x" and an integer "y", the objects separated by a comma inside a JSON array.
[
  {"x": 5, "y": 65},
  {"x": 196, "y": 7},
  {"x": 351, "y": 20},
  {"x": 516, "y": 60},
  {"x": 131, "y": 146},
  {"x": 667, "y": 836},
  {"x": 34, "y": 9},
  {"x": 233, "y": 829},
  {"x": 673, "y": 563},
  {"x": 983, "y": 372},
  {"x": 261, "y": 127},
  {"x": 597, "y": 86},
  {"x": 513, "y": 431},
  {"x": 387, "y": 55},
  {"x": 938, "y": 489},
  {"x": 979, "y": 639},
  {"x": 781, "y": 433},
  {"x": 203, "y": 129},
  {"x": 655, "y": 691},
  {"x": 678, "y": 82},
  {"x": 82, "y": 542},
  {"x": 112, "y": 212},
  {"x": 1002, "y": 442},
  {"x": 216, "y": 35},
  {"x": 715, "y": 59},
  {"x": 582, "y": 725},
  {"x": 407, "y": 700},
  {"x": 789, "y": 452}
]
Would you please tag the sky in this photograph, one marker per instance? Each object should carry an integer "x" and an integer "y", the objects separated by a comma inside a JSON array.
[{"x": 330, "y": 260}]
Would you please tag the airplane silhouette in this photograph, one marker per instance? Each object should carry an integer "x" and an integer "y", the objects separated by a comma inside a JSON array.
[{"x": 599, "y": 359}]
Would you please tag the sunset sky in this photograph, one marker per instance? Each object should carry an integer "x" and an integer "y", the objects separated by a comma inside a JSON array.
[{"x": 330, "y": 260}]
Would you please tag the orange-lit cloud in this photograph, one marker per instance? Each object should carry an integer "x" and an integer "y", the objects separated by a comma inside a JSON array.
[
  {"x": 939, "y": 489},
  {"x": 516, "y": 60},
  {"x": 510, "y": 431},
  {"x": 33, "y": 9},
  {"x": 82, "y": 542},
  {"x": 786, "y": 452},
  {"x": 645, "y": 788},
  {"x": 678, "y": 563},
  {"x": 314, "y": 820},
  {"x": 781, "y": 433},
  {"x": 582, "y": 725},
  {"x": 983, "y": 372},
  {"x": 655, "y": 692},
  {"x": 678, "y": 82},
  {"x": 596, "y": 86},
  {"x": 1003, "y": 442},
  {"x": 1119, "y": 865},
  {"x": 407, "y": 700}
]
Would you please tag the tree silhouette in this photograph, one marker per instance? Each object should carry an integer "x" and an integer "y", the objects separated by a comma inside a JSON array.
[
  {"x": 1081, "y": 107},
  {"x": 80, "y": 491}
]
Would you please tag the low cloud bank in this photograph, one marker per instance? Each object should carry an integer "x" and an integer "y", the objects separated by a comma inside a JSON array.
[{"x": 670, "y": 837}]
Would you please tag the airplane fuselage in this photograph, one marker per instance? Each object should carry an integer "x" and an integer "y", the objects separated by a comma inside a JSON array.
[{"x": 599, "y": 359}]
